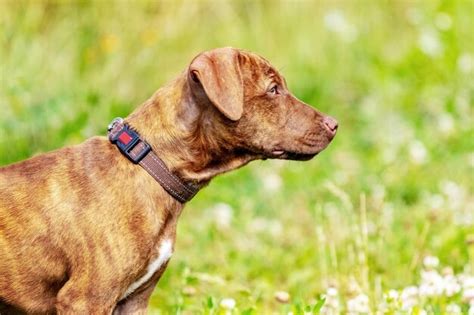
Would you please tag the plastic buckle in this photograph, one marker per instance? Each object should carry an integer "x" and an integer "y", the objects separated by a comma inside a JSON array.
[
  {"x": 126, "y": 139},
  {"x": 116, "y": 120}
]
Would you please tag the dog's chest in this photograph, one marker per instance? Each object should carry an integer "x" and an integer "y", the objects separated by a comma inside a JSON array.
[{"x": 165, "y": 251}]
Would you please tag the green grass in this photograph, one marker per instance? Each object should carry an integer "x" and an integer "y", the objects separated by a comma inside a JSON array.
[{"x": 395, "y": 185}]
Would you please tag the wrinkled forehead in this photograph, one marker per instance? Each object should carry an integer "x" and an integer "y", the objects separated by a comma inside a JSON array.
[{"x": 257, "y": 71}]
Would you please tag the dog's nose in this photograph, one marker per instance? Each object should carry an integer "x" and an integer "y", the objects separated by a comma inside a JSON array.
[{"x": 330, "y": 124}]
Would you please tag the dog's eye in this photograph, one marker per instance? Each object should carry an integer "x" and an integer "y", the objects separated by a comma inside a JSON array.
[{"x": 274, "y": 90}]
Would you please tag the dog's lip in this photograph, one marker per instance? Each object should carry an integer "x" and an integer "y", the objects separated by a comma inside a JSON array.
[
  {"x": 296, "y": 156},
  {"x": 278, "y": 152},
  {"x": 290, "y": 155}
]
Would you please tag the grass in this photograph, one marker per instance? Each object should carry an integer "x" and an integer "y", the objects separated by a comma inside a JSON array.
[{"x": 395, "y": 186}]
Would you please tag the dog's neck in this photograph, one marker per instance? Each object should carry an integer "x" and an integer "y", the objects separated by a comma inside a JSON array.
[{"x": 184, "y": 138}]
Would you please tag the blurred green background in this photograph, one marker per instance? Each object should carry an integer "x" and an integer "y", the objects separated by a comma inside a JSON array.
[{"x": 395, "y": 185}]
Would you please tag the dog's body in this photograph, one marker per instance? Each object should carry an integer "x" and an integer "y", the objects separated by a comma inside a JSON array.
[{"x": 84, "y": 230}]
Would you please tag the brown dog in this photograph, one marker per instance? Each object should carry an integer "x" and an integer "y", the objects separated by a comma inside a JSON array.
[{"x": 84, "y": 230}]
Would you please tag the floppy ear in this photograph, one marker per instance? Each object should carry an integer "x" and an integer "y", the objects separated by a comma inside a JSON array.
[{"x": 218, "y": 71}]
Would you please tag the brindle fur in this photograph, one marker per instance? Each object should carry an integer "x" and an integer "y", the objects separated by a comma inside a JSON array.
[{"x": 80, "y": 224}]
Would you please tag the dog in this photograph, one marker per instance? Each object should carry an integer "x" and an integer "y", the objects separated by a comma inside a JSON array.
[{"x": 89, "y": 229}]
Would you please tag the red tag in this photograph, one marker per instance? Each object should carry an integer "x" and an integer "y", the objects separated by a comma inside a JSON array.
[{"x": 125, "y": 138}]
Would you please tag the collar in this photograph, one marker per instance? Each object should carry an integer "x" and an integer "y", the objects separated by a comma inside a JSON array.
[{"x": 139, "y": 152}]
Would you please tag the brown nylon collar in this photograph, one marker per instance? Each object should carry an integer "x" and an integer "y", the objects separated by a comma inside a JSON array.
[{"x": 139, "y": 152}]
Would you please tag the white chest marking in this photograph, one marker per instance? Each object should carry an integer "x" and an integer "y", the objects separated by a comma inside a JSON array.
[{"x": 163, "y": 256}]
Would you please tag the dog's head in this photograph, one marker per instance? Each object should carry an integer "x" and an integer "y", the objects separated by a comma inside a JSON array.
[{"x": 246, "y": 107}]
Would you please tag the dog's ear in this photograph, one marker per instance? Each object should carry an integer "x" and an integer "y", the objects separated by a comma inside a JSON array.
[{"x": 218, "y": 72}]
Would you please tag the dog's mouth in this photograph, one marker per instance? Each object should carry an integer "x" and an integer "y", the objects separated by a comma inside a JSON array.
[
  {"x": 302, "y": 151},
  {"x": 291, "y": 155}
]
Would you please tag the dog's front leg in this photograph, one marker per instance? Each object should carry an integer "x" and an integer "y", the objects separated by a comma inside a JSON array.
[
  {"x": 80, "y": 296},
  {"x": 137, "y": 303}
]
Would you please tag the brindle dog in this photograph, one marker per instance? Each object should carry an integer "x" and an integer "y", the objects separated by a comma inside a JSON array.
[{"x": 85, "y": 231}]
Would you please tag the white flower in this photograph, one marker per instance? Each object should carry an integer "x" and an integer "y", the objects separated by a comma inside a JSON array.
[
  {"x": 430, "y": 43},
  {"x": 431, "y": 262},
  {"x": 455, "y": 194},
  {"x": 189, "y": 291},
  {"x": 447, "y": 271},
  {"x": 466, "y": 63},
  {"x": 272, "y": 182},
  {"x": 332, "y": 292},
  {"x": 467, "y": 281},
  {"x": 453, "y": 309},
  {"x": 451, "y": 285},
  {"x": 443, "y": 21},
  {"x": 390, "y": 301},
  {"x": 331, "y": 305},
  {"x": 393, "y": 295},
  {"x": 431, "y": 284},
  {"x": 282, "y": 296},
  {"x": 382, "y": 308},
  {"x": 409, "y": 297},
  {"x": 471, "y": 310},
  {"x": 222, "y": 214},
  {"x": 205, "y": 277},
  {"x": 378, "y": 192},
  {"x": 452, "y": 190},
  {"x": 468, "y": 295},
  {"x": 335, "y": 21},
  {"x": 410, "y": 291},
  {"x": 227, "y": 303},
  {"x": 418, "y": 152},
  {"x": 358, "y": 305},
  {"x": 435, "y": 201},
  {"x": 263, "y": 225},
  {"x": 446, "y": 123}
]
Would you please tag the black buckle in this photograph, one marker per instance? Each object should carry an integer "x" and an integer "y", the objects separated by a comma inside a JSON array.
[{"x": 126, "y": 139}]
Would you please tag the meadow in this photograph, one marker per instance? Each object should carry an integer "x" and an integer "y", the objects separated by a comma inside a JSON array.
[{"x": 381, "y": 222}]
